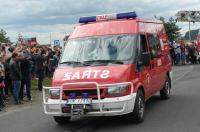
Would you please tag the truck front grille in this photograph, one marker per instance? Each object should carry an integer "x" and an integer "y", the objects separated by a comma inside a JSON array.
[{"x": 92, "y": 93}]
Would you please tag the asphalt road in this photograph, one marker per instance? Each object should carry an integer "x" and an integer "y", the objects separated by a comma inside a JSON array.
[{"x": 181, "y": 113}]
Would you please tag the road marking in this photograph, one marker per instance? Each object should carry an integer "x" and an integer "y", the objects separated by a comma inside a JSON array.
[{"x": 190, "y": 69}]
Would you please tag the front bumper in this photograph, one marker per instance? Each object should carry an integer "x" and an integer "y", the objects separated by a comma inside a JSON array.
[{"x": 98, "y": 107}]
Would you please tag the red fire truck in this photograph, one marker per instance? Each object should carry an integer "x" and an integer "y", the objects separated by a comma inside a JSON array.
[{"x": 111, "y": 65}]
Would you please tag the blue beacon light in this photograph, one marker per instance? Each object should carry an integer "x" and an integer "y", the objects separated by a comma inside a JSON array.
[
  {"x": 108, "y": 17},
  {"x": 72, "y": 95},
  {"x": 85, "y": 95}
]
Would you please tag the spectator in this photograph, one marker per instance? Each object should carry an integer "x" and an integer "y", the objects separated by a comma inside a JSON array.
[
  {"x": 15, "y": 73},
  {"x": 177, "y": 51},
  {"x": 2, "y": 76},
  {"x": 192, "y": 54},
  {"x": 53, "y": 62},
  {"x": 172, "y": 53},
  {"x": 8, "y": 81},
  {"x": 40, "y": 58},
  {"x": 26, "y": 75},
  {"x": 49, "y": 69},
  {"x": 183, "y": 55}
]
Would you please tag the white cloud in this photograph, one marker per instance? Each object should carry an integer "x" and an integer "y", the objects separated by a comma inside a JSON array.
[{"x": 40, "y": 17}]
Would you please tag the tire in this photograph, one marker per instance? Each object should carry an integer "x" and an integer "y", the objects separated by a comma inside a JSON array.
[
  {"x": 137, "y": 116},
  {"x": 62, "y": 119},
  {"x": 165, "y": 92}
]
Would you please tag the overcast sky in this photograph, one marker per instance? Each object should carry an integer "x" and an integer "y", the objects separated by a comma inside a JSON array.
[{"x": 39, "y": 18}]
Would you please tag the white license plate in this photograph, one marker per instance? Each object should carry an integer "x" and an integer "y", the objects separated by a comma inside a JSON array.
[{"x": 79, "y": 101}]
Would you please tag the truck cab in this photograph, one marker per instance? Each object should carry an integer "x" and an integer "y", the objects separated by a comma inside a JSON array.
[{"x": 111, "y": 65}]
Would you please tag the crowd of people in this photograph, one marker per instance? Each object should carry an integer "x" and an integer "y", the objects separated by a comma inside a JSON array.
[
  {"x": 182, "y": 54},
  {"x": 19, "y": 64}
]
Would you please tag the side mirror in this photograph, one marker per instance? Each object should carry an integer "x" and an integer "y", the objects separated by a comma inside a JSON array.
[{"x": 145, "y": 58}]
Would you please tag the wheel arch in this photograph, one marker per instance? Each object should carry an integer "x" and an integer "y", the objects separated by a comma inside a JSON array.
[{"x": 140, "y": 87}]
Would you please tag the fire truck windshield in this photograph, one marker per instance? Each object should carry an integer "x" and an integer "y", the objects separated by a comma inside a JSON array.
[{"x": 111, "y": 48}]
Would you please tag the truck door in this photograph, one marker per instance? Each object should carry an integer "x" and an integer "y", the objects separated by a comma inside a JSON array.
[
  {"x": 153, "y": 62},
  {"x": 147, "y": 73},
  {"x": 156, "y": 62},
  {"x": 161, "y": 71}
]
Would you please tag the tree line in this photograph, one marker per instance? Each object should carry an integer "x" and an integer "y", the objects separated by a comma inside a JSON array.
[{"x": 3, "y": 37}]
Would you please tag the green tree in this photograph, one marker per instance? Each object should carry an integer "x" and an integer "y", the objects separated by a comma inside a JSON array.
[
  {"x": 172, "y": 30},
  {"x": 3, "y": 37}
]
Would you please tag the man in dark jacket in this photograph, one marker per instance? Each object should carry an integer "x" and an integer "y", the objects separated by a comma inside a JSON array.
[
  {"x": 26, "y": 75},
  {"x": 40, "y": 59},
  {"x": 15, "y": 74}
]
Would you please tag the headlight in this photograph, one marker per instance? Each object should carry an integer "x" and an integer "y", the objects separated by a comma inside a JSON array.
[
  {"x": 54, "y": 92},
  {"x": 117, "y": 90}
]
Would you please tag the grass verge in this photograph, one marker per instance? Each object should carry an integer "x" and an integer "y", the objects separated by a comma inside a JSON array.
[{"x": 46, "y": 82}]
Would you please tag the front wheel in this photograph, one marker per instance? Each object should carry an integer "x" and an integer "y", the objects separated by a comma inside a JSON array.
[
  {"x": 62, "y": 119},
  {"x": 165, "y": 92},
  {"x": 137, "y": 115}
]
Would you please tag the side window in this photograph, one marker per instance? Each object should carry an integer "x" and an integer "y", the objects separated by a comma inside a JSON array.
[
  {"x": 158, "y": 45},
  {"x": 154, "y": 44},
  {"x": 142, "y": 50},
  {"x": 143, "y": 44}
]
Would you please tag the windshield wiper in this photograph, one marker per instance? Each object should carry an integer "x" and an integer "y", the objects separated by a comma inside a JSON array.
[
  {"x": 105, "y": 61},
  {"x": 71, "y": 62},
  {"x": 74, "y": 63}
]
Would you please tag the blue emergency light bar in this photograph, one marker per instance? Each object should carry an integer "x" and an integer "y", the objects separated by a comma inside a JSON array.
[
  {"x": 72, "y": 95},
  {"x": 107, "y": 17}
]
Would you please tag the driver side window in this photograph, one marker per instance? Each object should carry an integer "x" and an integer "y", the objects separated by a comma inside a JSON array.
[
  {"x": 152, "y": 45},
  {"x": 143, "y": 44}
]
